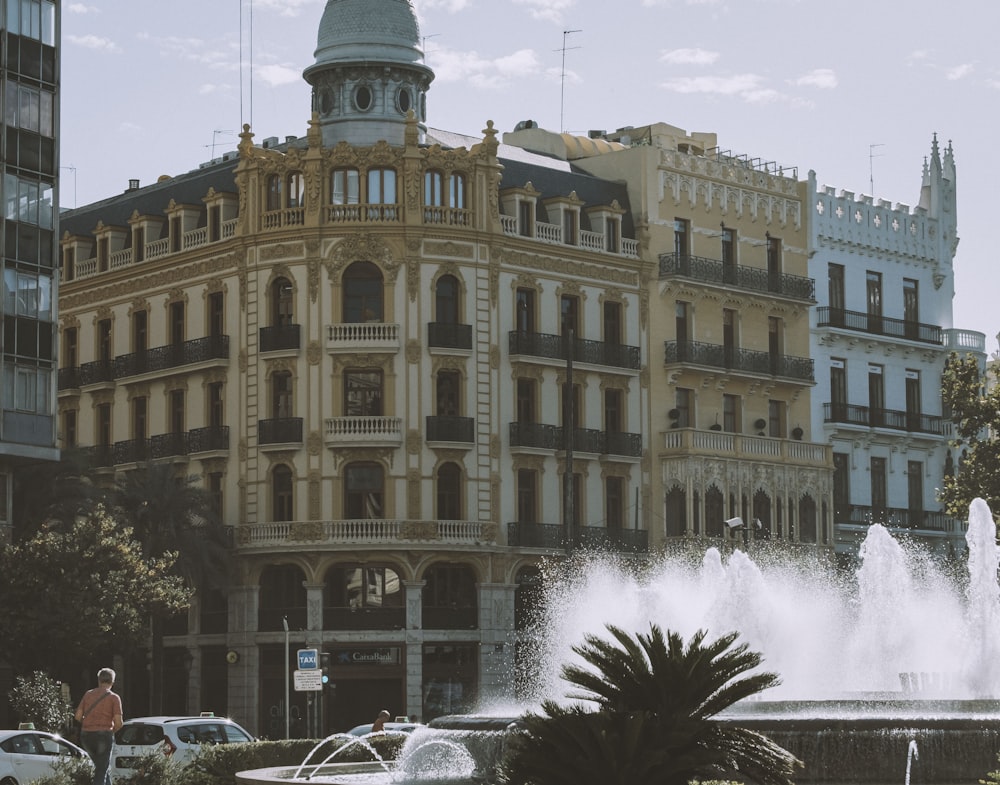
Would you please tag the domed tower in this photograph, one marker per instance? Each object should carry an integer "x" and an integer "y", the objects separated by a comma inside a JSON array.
[{"x": 369, "y": 72}]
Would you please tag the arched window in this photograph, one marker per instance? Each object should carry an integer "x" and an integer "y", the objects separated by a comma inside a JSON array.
[
  {"x": 281, "y": 492},
  {"x": 281, "y": 303},
  {"x": 382, "y": 195},
  {"x": 675, "y": 512},
  {"x": 446, "y": 300},
  {"x": 282, "y": 594},
  {"x": 296, "y": 190},
  {"x": 449, "y": 493},
  {"x": 450, "y": 600},
  {"x": 715, "y": 513},
  {"x": 433, "y": 184},
  {"x": 345, "y": 187},
  {"x": 363, "y": 596},
  {"x": 456, "y": 191},
  {"x": 273, "y": 193},
  {"x": 807, "y": 519},
  {"x": 363, "y": 491},
  {"x": 362, "y": 293}
]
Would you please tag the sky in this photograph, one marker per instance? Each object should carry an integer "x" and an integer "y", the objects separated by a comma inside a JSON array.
[{"x": 853, "y": 91}]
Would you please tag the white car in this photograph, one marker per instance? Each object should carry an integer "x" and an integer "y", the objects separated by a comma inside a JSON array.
[
  {"x": 389, "y": 727},
  {"x": 26, "y": 755},
  {"x": 178, "y": 738}
]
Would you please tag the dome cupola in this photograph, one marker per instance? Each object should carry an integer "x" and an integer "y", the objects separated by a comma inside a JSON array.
[{"x": 369, "y": 71}]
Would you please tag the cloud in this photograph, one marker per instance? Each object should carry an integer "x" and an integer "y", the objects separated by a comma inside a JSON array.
[
  {"x": 824, "y": 78},
  {"x": 94, "y": 42},
  {"x": 451, "y": 6},
  {"x": 286, "y": 7},
  {"x": 957, "y": 72},
  {"x": 689, "y": 57},
  {"x": 549, "y": 10},
  {"x": 277, "y": 75},
  {"x": 736, "y": 85},
  {"x": 81, "y": 8},
  {"x": 497, "y": 73}
]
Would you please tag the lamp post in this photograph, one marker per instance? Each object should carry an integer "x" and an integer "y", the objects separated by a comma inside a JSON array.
[{"x": 284, "y": 623}]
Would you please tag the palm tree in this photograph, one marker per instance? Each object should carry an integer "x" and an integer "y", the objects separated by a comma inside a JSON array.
[
  {"x": 171, "y": 514},
  {"x": 656, "y": 699}
]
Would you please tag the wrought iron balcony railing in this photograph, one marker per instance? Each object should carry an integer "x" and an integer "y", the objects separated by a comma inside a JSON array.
[
  {"x": 553, "y": 437},
  {"x": 451, "y": 429},
  {"x": 97, "y": 371},
  {"x": 732, "y": 358},
  {"x": 866, "y": 416},
  {"x": 557, "y": 347},
  {"x": 445, "y": 335},
  {"x": 280, "y": 430},
  {"x": 553, "y": 536},
  {"x": 756, "y": 279},
  {"x": 68, "y": 378},
  {"x": 169, "y": 445},
  {"x": 280, "y": 336},
  {"x": 879, "y": 325},
  {"x": 161, "y": 358}
]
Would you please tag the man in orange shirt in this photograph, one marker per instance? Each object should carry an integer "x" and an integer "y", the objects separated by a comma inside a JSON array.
[{"x": 100, "y": 715}]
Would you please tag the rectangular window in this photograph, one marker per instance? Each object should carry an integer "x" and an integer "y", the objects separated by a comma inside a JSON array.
[
  {"x": 569, "y": 312},
  {"x": 838, "y": 390},
  {"x": 775, "y": 344},
  {"x": 911, "y": 309},
  {"x": 776, "y": 419},
  {"x": 773, "y": 264},
  {"x": 612, "y": 234},
  {"x": 382, "y": 186},
  {"x": 685, "y": 407},
  {"x": 879, "y": 490},
  {"x": 682, "y": 326},
  {"x": 731, "y": 408},
  {"x": 363, "y": 492},
  {"x": 614, "y": 410},
  {"x": 214, "y": 487},
  {"x": 873, "y": 292},
  {"x": 913, "y": 403},
  {"x": 177, "y": 411},
  {"x": 573, "y": 400},
  {"x": 216, "y": 315},
  {"x": 682, "y": 239},
  {"x": 345, "y": 187},
  {"x": 525, "y": 304},
  {"x": 69, "y": 428},
  {"x": 841, "y": 487},
  {"x": 216, "y": 410},
  {"x": 613, "y": 323},
  {"x": 527, "y": 496},
  {"x": 104, "y": 424},
  {"x": 448, "y": 403},
  {"x": 835, "y": 289},
  {"x": 729, "y": 342},
  {"x": 526, "y": 218},
  {"x": 281, "y": 395},
  {"x": 140, "y": 341},
  {"x": 26, "y": 388},
  {"x": 139, "y": 417},
  {"x": 104, "y": 340},
  {"x": 363, "y": 393},
  {"x": 176, "y": 323},
  {"x": 570, "y": 220},
  {"x": 70, "y": 349},
  {"x": 526, "y": 400},
  {"x": 728, "y": 255},
  {"x": 876, "y": 395},
  {"x": 614, "y": 503}
]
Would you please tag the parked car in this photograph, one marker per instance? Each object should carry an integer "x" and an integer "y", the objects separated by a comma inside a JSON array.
[
  {"x": 390, "y": 727},
  {"x": 26, "y": 755},
  {"x": 179, "y": 738}
]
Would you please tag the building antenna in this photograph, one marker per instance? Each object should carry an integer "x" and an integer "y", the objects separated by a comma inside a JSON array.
[
  {"x": 214, "y": 135},
  {"x": 250, "y": 50},
  {"x": 562, "y": 80},
  {"x": 871, "y": 166},
  {"x": 73, "y": 170},
  {"x": 423, "y": 44}
]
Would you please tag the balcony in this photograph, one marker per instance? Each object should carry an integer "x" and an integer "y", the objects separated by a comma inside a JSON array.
[
  {"x": 764, "y": 449},
  {"x": 280, "y": 430},
  {"x": 894, "y": 419},
  {"x": 170, "y": 445},
  {"x": 364, "y": 431},
  {"x": 856, "y": 321},
  {"x": 735, "y": 359},
  {"x": 754, "y": 279},
  {"x": 279, "y": 337},
  {"x": 365, "y": 532},
  {"x": 163, "y": 358},
  {"x": 68, "y": 378},
  {"x": 556, "y": 347},
  {"x": 585, "y": 440},
  {"x": 443, "y": 335},
  {"x": 553, "y": 537},
  {"x": 553, "y": 234},
  {"x": 896, "y": 518},
  {"x": 362, "y": 337},
  {"x": 97, "y": 372},
  {"x": 451, "y": 429}
]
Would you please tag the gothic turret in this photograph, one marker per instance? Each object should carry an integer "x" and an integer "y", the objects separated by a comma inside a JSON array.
[{"x": 369, "y": 72}]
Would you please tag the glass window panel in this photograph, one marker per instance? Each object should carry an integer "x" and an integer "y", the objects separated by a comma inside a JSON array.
[{"x": 45, "y": 109}]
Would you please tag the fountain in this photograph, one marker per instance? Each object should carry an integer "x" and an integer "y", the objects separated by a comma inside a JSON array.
[{"x": 873, "y": 666}]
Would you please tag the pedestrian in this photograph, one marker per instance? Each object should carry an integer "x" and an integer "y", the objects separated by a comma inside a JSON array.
[
  {"x": 379, "y": 725},
  {"x": 100, "y": 715}
]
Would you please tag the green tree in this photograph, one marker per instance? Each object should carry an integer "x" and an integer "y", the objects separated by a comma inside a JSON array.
[
  {"x": 39, "y": 699},
  {"x": 656, "y": 699},
  {"x": 71, "y": 594},
  {"x": 50, "y": 492},
  {"x": 172, "y": 514},
  {"x": 973, "y": 397}
]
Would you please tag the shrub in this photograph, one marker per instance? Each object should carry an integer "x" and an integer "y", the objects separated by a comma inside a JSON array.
[
  {"x": 39, "y": 699},
  {"x": 69, "y": 771}
]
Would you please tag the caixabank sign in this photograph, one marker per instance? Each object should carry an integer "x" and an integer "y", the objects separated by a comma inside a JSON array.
[{"x": 366, "y": 655}]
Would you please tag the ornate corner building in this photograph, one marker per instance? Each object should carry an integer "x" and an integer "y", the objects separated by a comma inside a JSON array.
[{"x": 373, "y": 344}]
